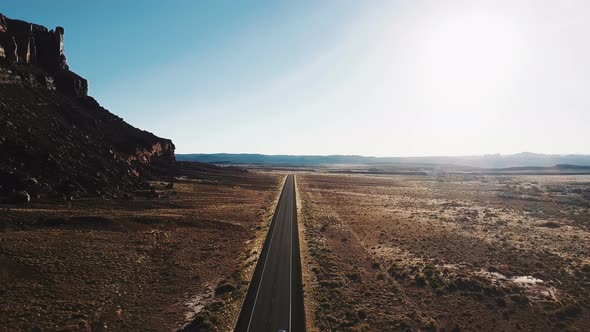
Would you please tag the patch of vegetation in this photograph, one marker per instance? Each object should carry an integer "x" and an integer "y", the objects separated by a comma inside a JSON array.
[
  {"x": 231, "y": 285},
  {"x": 354, "y": 276},
  {"x": 420, "y": 279},
  {"x": 430, "y": 325},
  {"x": 361, "y": 328},
  {"x": 204, "y": 321},
  {"x": 440, "y": 291},
  {"x": 550, "y": 224},
  {"x": 362, "y": 314},
  {"x": 224, "y": 288},
  {"x": 519, "y": 299},
  {"x": 331, "y": 283},
  {"x": 568, "y": 309}
]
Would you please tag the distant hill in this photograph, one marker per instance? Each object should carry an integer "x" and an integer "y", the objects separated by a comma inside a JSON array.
[
  {"x": 525, "y": 159},
  {"x": 226, "y": 158}
]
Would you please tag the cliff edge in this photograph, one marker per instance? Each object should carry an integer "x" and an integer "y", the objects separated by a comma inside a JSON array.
[{"x": 54, "y": 138}]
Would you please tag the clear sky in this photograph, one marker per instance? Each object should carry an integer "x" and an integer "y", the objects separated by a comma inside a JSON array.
[{"x": 384, "y": 78}]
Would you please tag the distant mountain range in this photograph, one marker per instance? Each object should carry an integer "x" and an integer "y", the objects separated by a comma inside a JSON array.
[{"x": 525, "y": 159}]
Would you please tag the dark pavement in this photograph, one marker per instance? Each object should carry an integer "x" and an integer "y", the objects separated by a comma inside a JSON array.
[{"x": 275, "y": 297}]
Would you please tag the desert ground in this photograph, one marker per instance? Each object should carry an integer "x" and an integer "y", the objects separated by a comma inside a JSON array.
[
  {"x": 446, "y": 252},
  {"x": 179, "y": 259}
]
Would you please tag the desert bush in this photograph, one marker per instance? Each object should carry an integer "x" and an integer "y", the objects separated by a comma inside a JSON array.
[
  {"x": 430, "y": 325},
  {"x": 361, "y": 328},
  {"x": 224, "y": 288},
  {"x": 550, "y": 224},
  {"x": 420, "y": 279},
  {"x": 204, "y": 321},
  {"x": 214, "y": 306},
  {"x": 354, "y": 276},
  {"x": 351, "y": 315},
  {"x": 362, "y": 314},
  {"x": 439, "y": 291},
  {"x": 519, "y": 298},
  {"x": 568, "y": 309},
  {"x": 331, "y": 283}
]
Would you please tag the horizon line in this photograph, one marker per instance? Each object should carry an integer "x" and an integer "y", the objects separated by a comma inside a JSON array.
[{"x": 370, "y": 156}]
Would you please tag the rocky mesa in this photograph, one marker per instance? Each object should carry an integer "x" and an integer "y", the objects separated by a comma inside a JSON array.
[{"x": 54, "y": 138}]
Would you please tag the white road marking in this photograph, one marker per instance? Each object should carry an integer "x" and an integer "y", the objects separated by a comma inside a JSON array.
[
  {"x": 264, "y": 266},
  {"x": 291, "y": 255}
]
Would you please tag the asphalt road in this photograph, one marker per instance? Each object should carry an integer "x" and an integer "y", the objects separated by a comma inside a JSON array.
[{"x": 274, "y": 300}]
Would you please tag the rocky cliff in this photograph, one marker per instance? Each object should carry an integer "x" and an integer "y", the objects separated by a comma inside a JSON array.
[
  {"x": 34, "y": 46},
  {"x": 54, "y": 138}
]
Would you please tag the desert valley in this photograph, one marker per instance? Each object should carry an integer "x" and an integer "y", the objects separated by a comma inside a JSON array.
[{"x": 107, "y": 227}]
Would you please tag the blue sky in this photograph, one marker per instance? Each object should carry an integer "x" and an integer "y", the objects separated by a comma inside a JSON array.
[{"x": 386, "y": 78}]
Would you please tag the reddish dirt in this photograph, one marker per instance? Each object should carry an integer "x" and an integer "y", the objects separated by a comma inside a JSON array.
[
  {"x": 452, "y": 253},
  {"x": 147, "y": 264}
]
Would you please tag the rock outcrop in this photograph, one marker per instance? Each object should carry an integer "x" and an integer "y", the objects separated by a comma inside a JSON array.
[
  {"x": 32, "y": 45},
  {"x": 54, "y": 138}
]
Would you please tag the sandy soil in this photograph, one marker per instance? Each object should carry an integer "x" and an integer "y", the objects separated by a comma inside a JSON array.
[
  {"x": 135, "y": 265},
  {"x": 452, "y": 253}
]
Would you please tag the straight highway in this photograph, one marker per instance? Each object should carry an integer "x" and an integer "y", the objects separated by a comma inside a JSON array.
[{"x": 274, "y": 301}]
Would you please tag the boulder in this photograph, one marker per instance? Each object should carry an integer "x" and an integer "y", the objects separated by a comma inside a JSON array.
[
  {"x": 19, "y": 197},
  {"x": 33, "y": 186}
]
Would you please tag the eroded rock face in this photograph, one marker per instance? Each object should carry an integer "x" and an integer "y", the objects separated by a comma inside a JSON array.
[
  {"x": 54, "y": 138},
  {"x": 25, "y": 45},
  {"x": 3, "y": 27},
  {"x": 161, "y": 151}
]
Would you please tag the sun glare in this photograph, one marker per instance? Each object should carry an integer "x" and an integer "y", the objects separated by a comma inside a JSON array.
[{"x": 469, "y": 57}]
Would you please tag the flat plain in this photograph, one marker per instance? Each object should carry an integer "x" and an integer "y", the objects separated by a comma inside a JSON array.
[
  {"x": 144, "y": 264},
  {"x": 446, "y": 252}
]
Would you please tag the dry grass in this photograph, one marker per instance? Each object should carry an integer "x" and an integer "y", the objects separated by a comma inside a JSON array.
[
  {"x": 448, "y": 252},
  {"x": 135, "y": 265}
]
